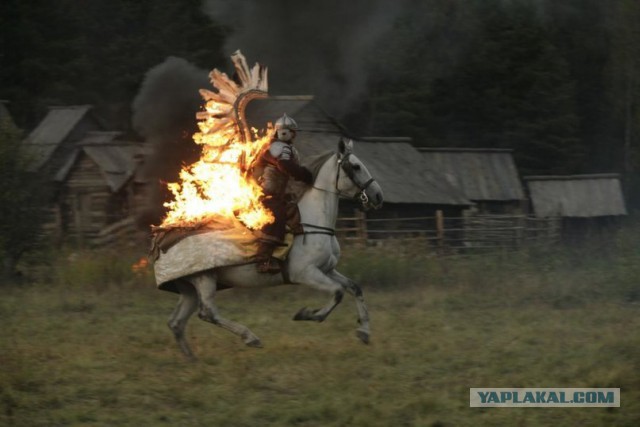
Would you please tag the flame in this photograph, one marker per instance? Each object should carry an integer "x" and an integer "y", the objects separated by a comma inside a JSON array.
[
  {"x": 216, "y": 186},
  {"x": 140, "y": 266}
]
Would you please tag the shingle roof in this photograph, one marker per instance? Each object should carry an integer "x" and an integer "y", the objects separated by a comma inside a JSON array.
[
  {"x": 576, "y": 195},
  {"x": 116, "y": 159},
  {"x": 397, "y": 166},
  {"x": 54, "y": 128},
  {"x": 481, "y": 174}
]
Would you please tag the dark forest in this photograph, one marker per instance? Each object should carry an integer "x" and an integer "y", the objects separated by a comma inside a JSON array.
[{"x": 559, "y": 82}]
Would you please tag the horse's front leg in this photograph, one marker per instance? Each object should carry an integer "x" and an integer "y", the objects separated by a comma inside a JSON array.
[
  {"x": 313, "y": 276},
  {"x": 363, "y": 332}
]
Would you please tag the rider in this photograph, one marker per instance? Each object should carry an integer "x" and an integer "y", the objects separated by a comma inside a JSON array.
[{"x": 274, "y": 167}]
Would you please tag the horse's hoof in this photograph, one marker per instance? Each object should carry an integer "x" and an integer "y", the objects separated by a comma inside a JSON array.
[
  {"x": 363, "y": 336},
  {"x": 255, "y": 343},
  {"x": 302, "y": 314}
]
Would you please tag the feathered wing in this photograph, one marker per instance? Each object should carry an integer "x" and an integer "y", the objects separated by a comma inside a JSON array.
[{"x": 225, "y": 109}]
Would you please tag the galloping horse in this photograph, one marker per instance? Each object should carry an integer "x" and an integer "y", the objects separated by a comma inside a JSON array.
[{"x": 312, "y": 260}]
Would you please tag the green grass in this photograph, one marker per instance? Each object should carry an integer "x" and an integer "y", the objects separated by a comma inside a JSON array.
[{"x": 84, "y": 342}]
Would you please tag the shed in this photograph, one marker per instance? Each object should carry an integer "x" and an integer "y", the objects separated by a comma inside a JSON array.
[
  {"x": 52, "y": 142},
  {"x": 488, "y": 177},
  {"x": 582, "y": 201},
  {"x": 96, "y": 185}
]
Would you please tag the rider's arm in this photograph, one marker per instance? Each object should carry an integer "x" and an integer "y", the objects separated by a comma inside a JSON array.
[
  {"x": 287, "y": 163},
  {"x": 293, "y": 169}
]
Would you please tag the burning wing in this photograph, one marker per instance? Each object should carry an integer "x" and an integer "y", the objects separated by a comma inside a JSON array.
[
  {"x": 216, "y": 185},
  {"x": 224, "y": 110}
]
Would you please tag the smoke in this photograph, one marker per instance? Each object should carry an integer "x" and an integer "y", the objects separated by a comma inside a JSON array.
[
  {"x": 318, "y": 47},
  {"x": 164, "y": 114}
]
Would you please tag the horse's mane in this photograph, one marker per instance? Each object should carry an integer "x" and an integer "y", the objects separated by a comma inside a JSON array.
[{"x": 314, "y": 163}]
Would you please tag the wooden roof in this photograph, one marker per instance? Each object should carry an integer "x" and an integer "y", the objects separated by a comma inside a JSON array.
[
  {"x": 481, "y": 174},
  {"x": 397, "y": 166},
  {"x": 117, "y": 160},
  {"x": 57, "y": 125},
  {"x": 581, "y": 196}
]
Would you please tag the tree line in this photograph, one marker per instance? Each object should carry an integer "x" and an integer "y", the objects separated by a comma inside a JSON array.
[{"x": 559, "y": 82}]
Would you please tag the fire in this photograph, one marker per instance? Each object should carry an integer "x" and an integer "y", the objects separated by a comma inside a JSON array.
[
  {"x": 140, "y": 266},
  {"x": 217, "y": 185}
]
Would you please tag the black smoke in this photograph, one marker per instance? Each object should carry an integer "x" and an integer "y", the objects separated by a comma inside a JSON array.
[
  {"x": 164, "y": 114},
  {"x": 318, "y": 47}
]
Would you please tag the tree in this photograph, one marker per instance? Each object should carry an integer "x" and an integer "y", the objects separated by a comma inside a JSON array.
[
  {"x": 21, "y": 198},
  {"x": 624, "y": 78},
  {"x": 512, "y": 90},
  {"x": 95, "y": 52}
]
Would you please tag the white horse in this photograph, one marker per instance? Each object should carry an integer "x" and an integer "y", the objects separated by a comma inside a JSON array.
[{"x": 312, "y": 260}]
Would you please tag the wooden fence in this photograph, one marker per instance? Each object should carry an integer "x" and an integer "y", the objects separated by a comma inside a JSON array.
[{"x": 467, "y": 232}]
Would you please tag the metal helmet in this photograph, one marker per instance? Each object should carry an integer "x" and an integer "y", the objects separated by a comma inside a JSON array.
[{"x": 286, "y": 122}]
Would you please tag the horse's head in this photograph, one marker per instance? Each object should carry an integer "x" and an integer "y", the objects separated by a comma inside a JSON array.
[{"x": 354, "y": 179}]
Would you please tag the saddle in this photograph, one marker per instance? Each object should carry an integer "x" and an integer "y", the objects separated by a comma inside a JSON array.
[{"x": 165, "y": 238}]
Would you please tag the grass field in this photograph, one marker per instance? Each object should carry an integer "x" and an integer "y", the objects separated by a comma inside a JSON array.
[{"x": 84, "y": 342}]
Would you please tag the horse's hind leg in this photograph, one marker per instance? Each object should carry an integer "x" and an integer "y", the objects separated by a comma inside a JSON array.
[
  {"x": 205, "y": 284},
  {"x": 317, "y": 279},
  {"x": 187, "y": 305},
  {"x": 363, "y": 332}
]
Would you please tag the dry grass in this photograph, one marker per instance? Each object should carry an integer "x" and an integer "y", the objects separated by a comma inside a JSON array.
[{"x": 85, "y": 344}]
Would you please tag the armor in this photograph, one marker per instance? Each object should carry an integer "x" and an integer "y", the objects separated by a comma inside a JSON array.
[
  {"x": 273, "y": 169},
  {"x": 286, "y": 122},
  {"x": 275, "y": 175}
]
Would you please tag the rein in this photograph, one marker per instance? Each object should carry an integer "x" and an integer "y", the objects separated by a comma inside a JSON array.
[
  {"x": 348, "y": 170},
  {"x": 361, "y": 195},
  {"x": 321, "y": 230}
]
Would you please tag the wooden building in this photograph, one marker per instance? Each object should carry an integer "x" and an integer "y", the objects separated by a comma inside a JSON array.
[
  {"x": 51, "y": 143},
  {"x": 586, "y": 203},
  {"x": 97, "y": 186},
  {"x": 487, "y": 177}
]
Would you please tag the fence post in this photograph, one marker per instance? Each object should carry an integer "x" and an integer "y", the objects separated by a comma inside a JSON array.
[
  {"x": 440, "y": 227},
  {"x": 361, "y": 226}
]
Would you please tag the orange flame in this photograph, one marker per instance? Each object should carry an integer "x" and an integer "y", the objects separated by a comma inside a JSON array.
[
  {"x": 140, "y": 266},
  {"x": 215, "y": 185}
]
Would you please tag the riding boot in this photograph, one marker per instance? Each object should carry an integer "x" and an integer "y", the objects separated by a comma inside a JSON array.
[{"x": 265, "y": 262}]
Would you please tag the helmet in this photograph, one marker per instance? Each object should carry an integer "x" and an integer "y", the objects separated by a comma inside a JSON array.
[{"x": 286, "y": 122}]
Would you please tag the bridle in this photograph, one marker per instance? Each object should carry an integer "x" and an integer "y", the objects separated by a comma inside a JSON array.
[{"x": 347, "y": 168}]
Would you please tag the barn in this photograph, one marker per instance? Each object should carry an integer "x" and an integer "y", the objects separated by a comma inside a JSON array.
[
  {"x": 586, "y": 203},
  {"x": 486, "y": 176},
  {"x": 98, "y": 185},
  {"x": 54, "y": 139}
]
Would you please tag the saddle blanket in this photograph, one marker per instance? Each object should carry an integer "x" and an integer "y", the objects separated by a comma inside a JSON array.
[{"x": 179, "y": 253}]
